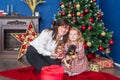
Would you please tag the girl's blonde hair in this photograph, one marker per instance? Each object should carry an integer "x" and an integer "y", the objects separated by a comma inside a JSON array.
[{"x": 80, "y": 37}]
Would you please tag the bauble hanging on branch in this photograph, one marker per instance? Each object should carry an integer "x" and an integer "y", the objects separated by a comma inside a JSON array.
[
  {"x": 86, "y": 10},
  {"x": 90, "y": 27},
  {"x": 91, "y": 19},
  {"x": 85, "y": 46},
  {"x": 103, "y": 33},
  {"x": 89, "y": 44},
  {"x": 107, "y": 51},
  {"x": 111, "y": 42},
  {"x": 99, "y": 15},
  {"x": 83, "y": 27},
  {"x": 101, "y": 48},
  {"x": 81, "y": 15},
  {"x": 53, "y": 22}
]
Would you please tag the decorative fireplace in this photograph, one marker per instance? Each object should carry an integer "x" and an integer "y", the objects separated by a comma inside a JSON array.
[{"x": 8, "y": 44}]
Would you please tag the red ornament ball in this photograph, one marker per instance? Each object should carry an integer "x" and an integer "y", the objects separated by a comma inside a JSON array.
[
  {"x": 99, "y": 15},
  {"x": 62, "y": 13},
  {"x": 101, "y": 48},
  {"x": 74, "y": 5},
  {"x": 91, "y": 56},
  {"x": 86, "y": 10},
  {"x": 91, "y": 19},
  {"x": 94, "y": 0},
  {"x": 83, "y": 27},
  {"x": 53, "y": 22},
  {"x": 85, "y": 46},
  {"x": 73, "y": 15},
  {"x": 69, "y": 6},
  {"x": 74, "y": 20},
  {"x": 90, "y": 27},
  {"x": 81, "y": 15},
  {"x": 60, "y": 3},
  {"x": 111, "y": 42}
]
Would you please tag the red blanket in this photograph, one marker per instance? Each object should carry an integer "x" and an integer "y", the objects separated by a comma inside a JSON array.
[{"x": 29, "y": 73}]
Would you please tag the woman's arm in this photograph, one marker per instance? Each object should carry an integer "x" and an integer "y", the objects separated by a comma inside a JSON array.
[{"x": 41, "y": 42}]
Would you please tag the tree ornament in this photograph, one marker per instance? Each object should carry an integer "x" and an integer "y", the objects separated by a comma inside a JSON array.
[
  {"x": 99, "y": 15},
  {"x": 61, "y": 3},
  {"x": 91, "y": 1},
  {"x": 86, "y": 10},
  {"x": 83, "y": 27},
  {"x": 91, "y": 19},
  {"x": 111, "y": 42},
  {"x": 78, "y": 13},
  {"x": 85, "y": 46},
  {"x": 107, "y": 51},
  {"x": 62, "y": 6},
  {"x": 74, "y": 20},
  {"x": 94, "y": 0},
  {"x": 73, "y": 15},
  {"x": 91, "y": 56},
  {"x": 89, "y": 44},
  {"x": 101, "y": 48},
  {"x": 103, "y": 33},
  {"x": 90, "y": 27},
  {"x": 81, "y": 15},
  {"x": 62, "y": 13},
  {"x": 69, "y": 15},
  {"x": 78, "y": 6},
  {"x": 53, "y": 22},
  {"x": 74, "y": 5},
  {"x": 69, "y": 6}
]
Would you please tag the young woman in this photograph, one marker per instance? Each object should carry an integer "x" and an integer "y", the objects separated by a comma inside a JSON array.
[
  {"x": 75, "y": 64},
  {"x": 41, "y": 51}
]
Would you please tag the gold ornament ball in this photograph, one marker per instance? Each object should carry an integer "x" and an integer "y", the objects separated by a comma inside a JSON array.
[
  {"x": 69, "y": 15},
  {"x": 103, "y": 33},
  {"x": 78, "y": 13},
  {"x": 91, "y": 1},
  {"x": 78, "y": 6},
  {"x": 89, "y": 44},
  {"x": 62, "y": 6},
  {"x": 107, "y": 51}
]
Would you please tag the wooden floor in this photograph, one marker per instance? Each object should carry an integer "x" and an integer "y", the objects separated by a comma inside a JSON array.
[{"x": 7, "y": 63}]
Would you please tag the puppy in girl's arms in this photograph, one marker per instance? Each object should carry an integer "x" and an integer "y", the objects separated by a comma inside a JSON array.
[{"x": 70, "y": 55}]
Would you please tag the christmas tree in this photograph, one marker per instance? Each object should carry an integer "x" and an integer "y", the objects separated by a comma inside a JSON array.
[{"x": 87, "y": 17}]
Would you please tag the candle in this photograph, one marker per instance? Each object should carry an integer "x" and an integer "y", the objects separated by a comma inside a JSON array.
[
  {"x": 11, "y": 9},
  {"x": 7, "y": 8}
]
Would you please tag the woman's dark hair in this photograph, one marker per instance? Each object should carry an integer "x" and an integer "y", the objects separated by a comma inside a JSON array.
[{"x": 60, "y": 22}]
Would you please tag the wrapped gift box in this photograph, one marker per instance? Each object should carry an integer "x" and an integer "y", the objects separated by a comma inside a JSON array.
[
  {"x": 94, "y": 67},
  {"x": 53, "y": 72},
  {"x": 104, "y": 62}
]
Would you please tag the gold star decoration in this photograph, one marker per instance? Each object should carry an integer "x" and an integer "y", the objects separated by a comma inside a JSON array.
[{"x": 25, "y": 38}]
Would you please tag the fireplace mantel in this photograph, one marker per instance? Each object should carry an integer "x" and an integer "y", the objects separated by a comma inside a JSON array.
[{"x": 14, "y": 24}]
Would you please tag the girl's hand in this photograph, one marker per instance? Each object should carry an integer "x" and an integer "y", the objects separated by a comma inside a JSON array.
[
  {"x": 60, "y": 57},
  {"x": 68, "y": 66}
]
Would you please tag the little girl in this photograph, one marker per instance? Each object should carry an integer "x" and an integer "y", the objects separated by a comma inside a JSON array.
[{"x": 79, "y": 64}]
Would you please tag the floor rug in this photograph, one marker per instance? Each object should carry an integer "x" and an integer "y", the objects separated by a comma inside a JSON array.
[{"x": 29, "y": 73}]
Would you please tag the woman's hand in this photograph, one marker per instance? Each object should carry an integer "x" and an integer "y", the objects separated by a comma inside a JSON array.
[{"x": 54, "y": 55}]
